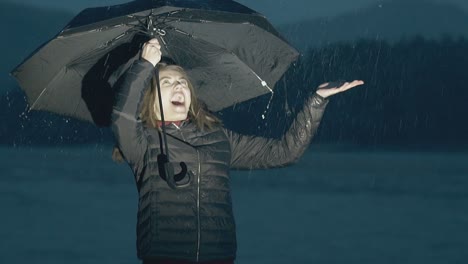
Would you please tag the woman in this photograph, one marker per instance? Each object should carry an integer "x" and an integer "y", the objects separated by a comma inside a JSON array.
[{"x": 193, "y": 224}]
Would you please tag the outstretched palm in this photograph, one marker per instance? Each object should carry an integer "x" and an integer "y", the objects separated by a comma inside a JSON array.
[{"x": 325, "y": 91}]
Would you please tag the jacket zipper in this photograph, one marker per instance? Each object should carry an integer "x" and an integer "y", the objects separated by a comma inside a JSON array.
[
  {"x": 198, "y": 197},
  {"x": 198, "y": 206}
]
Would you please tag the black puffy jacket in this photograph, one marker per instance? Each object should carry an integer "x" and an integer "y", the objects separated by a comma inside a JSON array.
[{"x": 194, "y": 223}]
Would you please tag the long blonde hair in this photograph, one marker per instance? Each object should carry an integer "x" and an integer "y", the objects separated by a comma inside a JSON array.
[{"x": 198, "y": 113}]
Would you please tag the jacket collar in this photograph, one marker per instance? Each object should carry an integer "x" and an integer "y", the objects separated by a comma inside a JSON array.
[{"x": 176, "y": 124}]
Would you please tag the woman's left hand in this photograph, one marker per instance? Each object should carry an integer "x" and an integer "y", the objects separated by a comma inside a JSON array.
[{"x": 325, "y": 90}]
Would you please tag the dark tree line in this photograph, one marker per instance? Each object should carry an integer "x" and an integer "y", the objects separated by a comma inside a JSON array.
[{"x": 416, "y": 94}]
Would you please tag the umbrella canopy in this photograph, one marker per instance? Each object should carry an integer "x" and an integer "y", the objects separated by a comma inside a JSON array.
[{"x": 230, "y": 52}]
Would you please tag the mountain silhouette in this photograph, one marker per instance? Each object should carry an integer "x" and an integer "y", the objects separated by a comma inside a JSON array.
[{"x": 388, "y": 20}]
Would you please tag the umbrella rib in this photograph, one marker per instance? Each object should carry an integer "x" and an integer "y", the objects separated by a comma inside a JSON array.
[
  {"x": 262, "y": 82},
  {"x": 75, "y": 61},
  {"x": 40, "y": 95},
  {"x": 64, "y": 68},
  {"x": 76, "y": 108},
  {"x": 47, "y": 88},
  {"x": 165, "y": 16}
]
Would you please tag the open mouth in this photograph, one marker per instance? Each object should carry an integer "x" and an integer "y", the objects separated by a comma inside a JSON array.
[
  {"x": 178, "y": 99},
  {"x": 177, "y": 103}
]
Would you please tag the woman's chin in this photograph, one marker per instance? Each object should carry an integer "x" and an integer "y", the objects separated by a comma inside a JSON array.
[
  {"x": 175, "y": 112},
  {"x": 176, "y": 116}
]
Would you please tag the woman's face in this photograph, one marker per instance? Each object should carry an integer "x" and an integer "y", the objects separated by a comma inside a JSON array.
[{"x": 175, "y": 94}]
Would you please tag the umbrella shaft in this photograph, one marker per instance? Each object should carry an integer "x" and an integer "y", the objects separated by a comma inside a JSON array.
[{"x": 163, "y": 125}]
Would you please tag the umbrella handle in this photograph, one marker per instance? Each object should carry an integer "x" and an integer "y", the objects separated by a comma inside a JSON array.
[{"x": 166, "y": 172}]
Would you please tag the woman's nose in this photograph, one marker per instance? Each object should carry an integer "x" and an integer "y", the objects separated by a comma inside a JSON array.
[{"x": 178, "y": 85}]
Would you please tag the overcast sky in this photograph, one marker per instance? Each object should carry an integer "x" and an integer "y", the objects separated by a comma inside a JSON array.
[{"x": 278, "y": 11}]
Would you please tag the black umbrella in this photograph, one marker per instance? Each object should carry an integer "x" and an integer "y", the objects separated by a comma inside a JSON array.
[{"x": 230, "y": 52}]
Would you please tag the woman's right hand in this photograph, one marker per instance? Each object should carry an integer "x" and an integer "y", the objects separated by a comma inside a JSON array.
[{"x": 151, "y": 51}]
